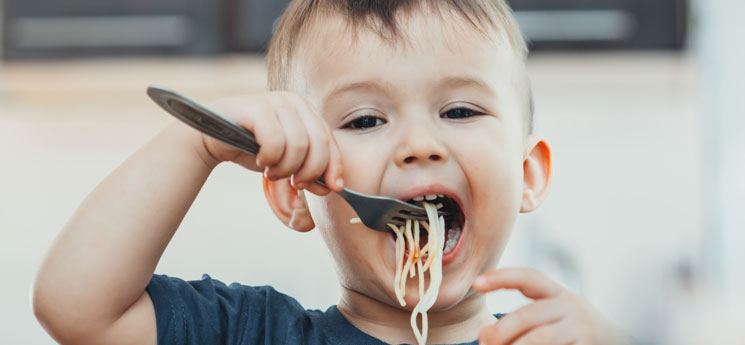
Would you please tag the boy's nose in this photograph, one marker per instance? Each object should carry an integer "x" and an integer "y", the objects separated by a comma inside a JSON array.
[{"x": 420, "y": 147}]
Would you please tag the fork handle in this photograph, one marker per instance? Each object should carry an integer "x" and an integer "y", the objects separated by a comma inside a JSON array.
[{"x": 203, "y": 119}]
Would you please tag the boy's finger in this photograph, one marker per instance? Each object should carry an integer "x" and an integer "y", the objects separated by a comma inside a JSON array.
[
  {"x": 334, "y": 169},
  {"x": 318, "y": 151},
  {"x": 488, "y": 335},
  {"x": 531, "y": 283},
  {"x": 513, "y": 325},
  {"x": 317, "y": 189},
  {"x": 296, "y": 144},
  {"x": 268, "y": 133},
  {"x": 557, "y": 333}
]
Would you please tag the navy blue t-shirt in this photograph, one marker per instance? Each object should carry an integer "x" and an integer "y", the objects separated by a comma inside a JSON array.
[{"x": 207, "y": 311}]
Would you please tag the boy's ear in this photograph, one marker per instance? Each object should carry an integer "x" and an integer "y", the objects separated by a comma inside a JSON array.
[
  {"x": 536, "y": 173},
  {"x": 288, "y": 204}
]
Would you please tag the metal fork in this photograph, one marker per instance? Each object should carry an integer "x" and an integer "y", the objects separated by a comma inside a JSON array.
[{"x": 374, "y": 211}]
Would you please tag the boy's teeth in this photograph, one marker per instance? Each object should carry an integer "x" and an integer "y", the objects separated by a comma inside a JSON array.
[
  {"x": 419, "y": 198},
  {"x": 452, "y": 239},
  {"x": 430, "y": 197},
  {"x": 441, "y": 195}
]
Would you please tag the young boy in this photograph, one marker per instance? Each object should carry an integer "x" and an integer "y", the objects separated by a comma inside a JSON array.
[{"x": 399, "y": 98}]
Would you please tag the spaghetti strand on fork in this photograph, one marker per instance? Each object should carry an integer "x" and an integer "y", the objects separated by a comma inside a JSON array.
[
  {"x": 409, "y": 263},
  {"x": 408, "y": 266}
]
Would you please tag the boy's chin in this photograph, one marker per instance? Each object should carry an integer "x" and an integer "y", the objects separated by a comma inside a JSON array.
[{"x": 448, "y": 297}]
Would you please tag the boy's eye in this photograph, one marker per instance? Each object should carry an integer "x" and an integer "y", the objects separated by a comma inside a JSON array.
[
  {"x": 364, "y": 122},
  {"x": 459, "y": 113}
]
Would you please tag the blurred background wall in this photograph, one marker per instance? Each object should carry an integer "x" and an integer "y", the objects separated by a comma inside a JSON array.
[{"x": 641, "y": 100}]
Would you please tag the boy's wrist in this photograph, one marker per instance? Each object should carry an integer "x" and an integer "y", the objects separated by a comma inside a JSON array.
[{"x": 194, "y": 142}]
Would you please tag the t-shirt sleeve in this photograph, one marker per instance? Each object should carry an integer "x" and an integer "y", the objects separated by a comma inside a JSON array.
[{"x": 207, "y": 311}]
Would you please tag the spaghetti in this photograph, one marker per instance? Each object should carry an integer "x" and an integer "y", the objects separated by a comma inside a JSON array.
[{"x": 410, "y": 266}]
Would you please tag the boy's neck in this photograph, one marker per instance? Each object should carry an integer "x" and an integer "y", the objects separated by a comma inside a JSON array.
[{"x": 392, "y": 325}]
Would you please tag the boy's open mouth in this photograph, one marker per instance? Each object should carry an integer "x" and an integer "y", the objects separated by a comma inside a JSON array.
[{"x": 453, "y": 223}]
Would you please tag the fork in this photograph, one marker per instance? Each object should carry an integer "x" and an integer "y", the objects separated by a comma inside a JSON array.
[{"x": 374, "y": 211}]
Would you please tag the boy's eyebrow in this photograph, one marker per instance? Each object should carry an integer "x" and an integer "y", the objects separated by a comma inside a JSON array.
[
  {"x": 358, "y": 86},
  {"x": 445, "y": 82},
  {"x": 459, "y": 81}
]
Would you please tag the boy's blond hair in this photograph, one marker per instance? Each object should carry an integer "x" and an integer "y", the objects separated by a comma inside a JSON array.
[{"x": 490, "y": 17}]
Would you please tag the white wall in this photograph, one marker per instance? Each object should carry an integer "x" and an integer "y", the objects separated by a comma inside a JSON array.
[
  {"x": 624, "y": 207},
  {"x": 721, "y": 54}
]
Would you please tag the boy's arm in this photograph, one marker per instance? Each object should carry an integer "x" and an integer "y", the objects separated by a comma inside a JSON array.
[{"x": 90, "y": 287}]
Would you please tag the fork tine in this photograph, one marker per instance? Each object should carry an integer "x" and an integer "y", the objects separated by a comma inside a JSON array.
[
  {"x": 396, "y": 223},
  {"x": 417, "y": 216},
  {"x": 413, "y": 216},
  {"x": 397, "y": 219},
  {"x": 419, "y": 213}
]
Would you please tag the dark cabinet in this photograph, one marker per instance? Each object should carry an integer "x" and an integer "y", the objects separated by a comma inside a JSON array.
[
  {"x": 603, "y": 24},
  {"x": 44, "y": 28},
  {"x": 252, "y": 23}
]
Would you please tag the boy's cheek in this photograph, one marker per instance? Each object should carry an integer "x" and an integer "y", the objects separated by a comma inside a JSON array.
[
  {"x": 327, "y": 210},
  {"x": 352, "y": 245},
  {"x": 496, "y": 201}
]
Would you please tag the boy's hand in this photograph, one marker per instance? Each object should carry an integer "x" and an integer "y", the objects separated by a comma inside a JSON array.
[
  {"x": 556, "y": 317},
  {"x": 295, "y": 141}
]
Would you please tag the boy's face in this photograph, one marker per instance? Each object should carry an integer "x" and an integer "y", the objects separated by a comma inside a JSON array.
[{"x": 438, "y": 112}]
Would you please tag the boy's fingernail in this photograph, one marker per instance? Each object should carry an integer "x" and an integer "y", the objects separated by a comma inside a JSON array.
[
  {"x": 340, "y": 182},
  {"x": 301, "y": 185},
  {"x": 479, "y": 281}
]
